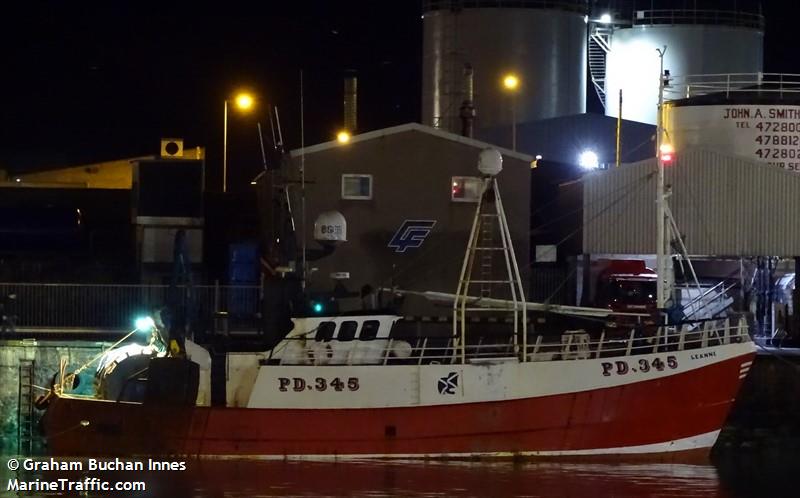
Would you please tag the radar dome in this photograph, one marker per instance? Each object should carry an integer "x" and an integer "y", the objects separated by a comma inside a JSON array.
[
  {"x": 490, "y": 162},
  {"x": 330, "y": 226}
]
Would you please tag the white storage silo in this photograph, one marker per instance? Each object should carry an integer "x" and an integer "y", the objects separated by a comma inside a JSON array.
[
  {"x": 542, "y": 42},
  {"x": 754, "y": 116},
  {"x": 699, "y": 42}
]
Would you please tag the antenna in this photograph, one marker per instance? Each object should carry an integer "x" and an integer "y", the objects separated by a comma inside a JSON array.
[
  {"x": 302, "y": 185},
  {"x": 279, "y": 143},
  {"x": 272, "y": 129},
  {"x": 261, "y": 142}
]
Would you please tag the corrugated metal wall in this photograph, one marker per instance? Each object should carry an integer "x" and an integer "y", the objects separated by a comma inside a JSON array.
[{"x": 724, "y": 206}]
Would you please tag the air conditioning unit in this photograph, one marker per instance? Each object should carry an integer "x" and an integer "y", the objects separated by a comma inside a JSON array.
[{"x": 171, "y": 147}]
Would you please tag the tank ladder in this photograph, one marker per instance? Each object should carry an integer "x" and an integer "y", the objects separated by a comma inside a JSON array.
[
  {"x": 599, "y": 45},
  {"x": 489, "y": 243},
  {"x": 25, "y": 406}
]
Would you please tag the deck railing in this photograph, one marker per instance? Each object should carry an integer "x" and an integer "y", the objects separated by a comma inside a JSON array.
[
  {"x": 571, "y": 345},
  {"x": 115, "y": 307}
]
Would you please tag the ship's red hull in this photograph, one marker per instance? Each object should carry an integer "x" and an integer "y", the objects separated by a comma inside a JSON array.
[{"x": 614, "y": 420}]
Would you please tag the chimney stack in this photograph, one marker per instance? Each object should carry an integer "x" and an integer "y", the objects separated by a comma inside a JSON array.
[
  {"x": 351, "y": 102},
  {"x": 467, "y": 110}
]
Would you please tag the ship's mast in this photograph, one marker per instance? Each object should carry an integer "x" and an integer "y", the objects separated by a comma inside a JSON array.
[
  {"x": 662, "y": 290},
  {"x": 488, "y": 237}
]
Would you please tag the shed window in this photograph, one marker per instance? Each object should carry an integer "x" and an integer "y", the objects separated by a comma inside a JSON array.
[
  {"x": 325, "y": 331},
  {"x": 465, "y": 189},
  {"x": 347, "y": 331},
  {"x": 369, "y": 330},
  {"x": 357, "y": 187}
]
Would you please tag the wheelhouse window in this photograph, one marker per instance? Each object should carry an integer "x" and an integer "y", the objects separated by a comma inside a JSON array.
[
  {"x": 356, "y": 187},
  {"x": 347, "y": 331},
  {"x": 465, "y": 189},
  {"x": 369, "y": 330},
  {"x": 325, "y": 331}
]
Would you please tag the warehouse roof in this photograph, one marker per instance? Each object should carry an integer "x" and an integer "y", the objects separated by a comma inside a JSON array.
[{"x": 371, "y": 135}]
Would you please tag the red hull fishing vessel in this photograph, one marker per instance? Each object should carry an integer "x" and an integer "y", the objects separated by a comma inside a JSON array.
[
  {"x": 671, "y": 414},
  {"x": 352, "y": 386}
]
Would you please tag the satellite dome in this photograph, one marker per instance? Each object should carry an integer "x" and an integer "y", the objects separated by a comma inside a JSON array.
[
  {"x": 330, "y": 226},
  {"x": 490, "y": 162}
]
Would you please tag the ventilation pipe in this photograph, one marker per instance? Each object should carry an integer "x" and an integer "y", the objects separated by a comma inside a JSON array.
[
  {"x": 467, "y": 110},
  {"x": 350, "y": 102}
]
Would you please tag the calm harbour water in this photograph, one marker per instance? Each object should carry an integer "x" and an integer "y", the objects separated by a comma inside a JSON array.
[{"x": 248, "y": 478}]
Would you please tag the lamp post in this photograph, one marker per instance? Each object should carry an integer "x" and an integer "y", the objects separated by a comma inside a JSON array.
[
  {"x": 343, "y": 137},
  {"x": 511, "y": 84},
  {"x": 244, "y": 102}
]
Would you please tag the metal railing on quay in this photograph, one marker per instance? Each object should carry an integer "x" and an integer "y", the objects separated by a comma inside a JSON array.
[{"x": 114, "y": 306}]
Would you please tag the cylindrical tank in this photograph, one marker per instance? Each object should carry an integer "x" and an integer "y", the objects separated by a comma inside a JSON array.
[
  {"x": 697, "y": 42},
  {"x": 758, "y": 121},
  {"x": 542, "y": 42}
]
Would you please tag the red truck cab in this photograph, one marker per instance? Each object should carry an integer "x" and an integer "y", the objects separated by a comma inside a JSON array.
[{"x": 627, "y": 286}]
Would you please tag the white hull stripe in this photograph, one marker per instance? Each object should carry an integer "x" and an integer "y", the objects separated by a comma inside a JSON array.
[
  {"x": 700, "y": 441},
  {"x": 747, "y": 363},
  {"x": 495, "y": 380}
]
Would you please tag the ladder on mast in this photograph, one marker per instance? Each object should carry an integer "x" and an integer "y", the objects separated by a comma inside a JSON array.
[{"x": 489, "y": 270}]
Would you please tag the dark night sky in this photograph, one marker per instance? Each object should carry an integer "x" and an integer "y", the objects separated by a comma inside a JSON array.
[{"x": 91, "y": 81}]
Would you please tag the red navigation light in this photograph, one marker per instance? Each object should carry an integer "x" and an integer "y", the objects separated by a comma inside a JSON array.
[
  {"x": 667, "y": 153},
  {"x": 458, "y": 189}
]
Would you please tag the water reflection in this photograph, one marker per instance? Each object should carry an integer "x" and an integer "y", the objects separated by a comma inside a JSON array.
[{"x": 247, "y": 478}]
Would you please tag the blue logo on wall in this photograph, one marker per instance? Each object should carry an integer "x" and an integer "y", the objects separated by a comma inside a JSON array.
[{"x": 412, "y": 233}]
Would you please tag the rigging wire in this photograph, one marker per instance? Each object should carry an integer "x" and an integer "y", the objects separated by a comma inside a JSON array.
[
  {"x": 626, "y": 190},
  {"x": 566, "y": 279}
]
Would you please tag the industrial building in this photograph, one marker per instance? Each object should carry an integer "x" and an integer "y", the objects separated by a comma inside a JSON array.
[
  {"x": 112, "y": 221},
  {"x": 408, "y": 196},
  {"x": 698, "y": 41},
  {"x": 542, "y": 43},
  {"x": 553, "y": 48},
  {"x": 733, "y": 126},
  {"x": 721, "y": 113}
]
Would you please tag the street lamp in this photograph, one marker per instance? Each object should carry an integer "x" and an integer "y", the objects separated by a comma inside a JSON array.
[
  {"x": 343, "y": 137},
  {"x": 511, "y": 84},
  {"x": 244, "y": 102}
]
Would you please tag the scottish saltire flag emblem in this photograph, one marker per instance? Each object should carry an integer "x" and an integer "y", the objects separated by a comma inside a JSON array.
[
  {"x": 411, "y": 234},
  {"x": 448, "y": 383}
]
